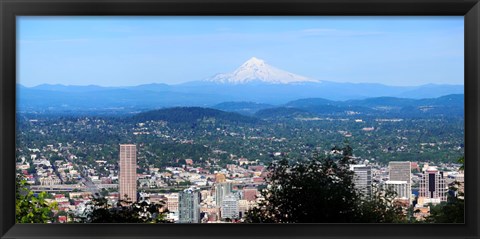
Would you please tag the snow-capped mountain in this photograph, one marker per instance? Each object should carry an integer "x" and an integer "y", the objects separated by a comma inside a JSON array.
[
  {"x": 257, "y": 70},
  {"x": 254, "y": 81}
]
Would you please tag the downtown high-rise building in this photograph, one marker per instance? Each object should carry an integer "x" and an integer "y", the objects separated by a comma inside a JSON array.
[
  {"x": 222, "y": 190},
  {"x": 362, "y": 179},
  {"x": 399, "y": 187},
  {"x": 189, "y": 206},
  {"x": 433, "y": 186},
  {"x": 401, "y": 171},
  {"x": 230, "y": 207},
  {"x": 128, "y": 172},
  {"x": 172, "y": 202}
]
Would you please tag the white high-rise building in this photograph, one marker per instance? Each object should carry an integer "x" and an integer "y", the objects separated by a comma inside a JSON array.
[
  {"x": 222, "y": 190},
  {"x": 172, "y": 202},
  {"x": 399, "y": 187},
  {"x": 189, "y": 206},
  {"x": 230, "y": 208},
  {"x": 362, "y": 179}
]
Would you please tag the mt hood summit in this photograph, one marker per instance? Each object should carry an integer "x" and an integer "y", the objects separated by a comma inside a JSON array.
[{"x": 257, "y": 70}]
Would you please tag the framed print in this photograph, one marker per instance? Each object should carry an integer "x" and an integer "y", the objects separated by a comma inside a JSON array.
[{"x": 239, "y": 119}]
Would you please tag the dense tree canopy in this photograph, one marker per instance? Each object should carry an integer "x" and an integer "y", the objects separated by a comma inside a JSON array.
[
  {"x": 31, "y": 207},
  {"x": 125, "y": 211},
  {"x": 320, "y": 190},
  {"x": 380, "y": 208},
  {"x": 452, "y": 211}
]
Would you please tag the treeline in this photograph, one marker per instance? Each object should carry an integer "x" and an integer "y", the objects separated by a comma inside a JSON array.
[{"x": 194, "y": 115}]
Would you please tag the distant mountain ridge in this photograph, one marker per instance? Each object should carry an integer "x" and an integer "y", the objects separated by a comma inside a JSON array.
[
  {"x": 205, "y": 94},
  {"x": 254, "y": 81},
  {"x": 445, "y": 106}
]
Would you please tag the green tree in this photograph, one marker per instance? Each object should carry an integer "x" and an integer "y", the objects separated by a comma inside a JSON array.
[
  {"x": 452, "y": 211},
  {"x": 104, "y": 192},
  {"x": 99, "y": 210},
  {"x": 449, "y": 212},
  {"x": 461, "y": 160},
  {"x": 31, "y": 207},
  {"x": 380, "y": 208},
  {"x": 320, "y": 190}
]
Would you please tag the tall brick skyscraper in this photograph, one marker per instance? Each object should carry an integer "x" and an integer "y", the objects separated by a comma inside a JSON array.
[{"x": 128, "y": 171}]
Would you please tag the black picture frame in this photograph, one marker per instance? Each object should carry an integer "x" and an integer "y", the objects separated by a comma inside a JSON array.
[{"x": 9, "y": 9}]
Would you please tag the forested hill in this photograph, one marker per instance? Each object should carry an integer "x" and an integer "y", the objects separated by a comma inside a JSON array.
[
  {"x": 193, "y": 115},
  {"x": 245, "y": 108},
  {"x": 282, "y": 112}
]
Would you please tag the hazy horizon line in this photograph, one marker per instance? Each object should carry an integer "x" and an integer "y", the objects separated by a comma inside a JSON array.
[{"x": 185, "y": 82}]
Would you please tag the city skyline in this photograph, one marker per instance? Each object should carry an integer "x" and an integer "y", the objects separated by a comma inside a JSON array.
[{"x": 125, "y": 51}]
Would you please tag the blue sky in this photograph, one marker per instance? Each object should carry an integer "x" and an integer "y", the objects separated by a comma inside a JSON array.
[{"x": 124, "y": 51}]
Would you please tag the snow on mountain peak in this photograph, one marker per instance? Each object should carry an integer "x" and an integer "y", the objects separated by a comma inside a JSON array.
[
  {"x": 254, "y": 62},
  {"x": 257, "y": 70}
]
